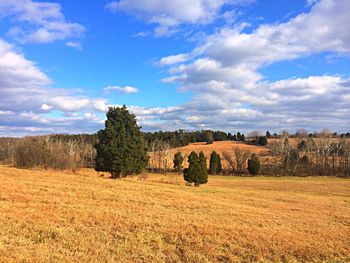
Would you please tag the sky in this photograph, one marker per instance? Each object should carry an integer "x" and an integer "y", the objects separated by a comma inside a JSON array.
[{"x": 231, "y": 65}]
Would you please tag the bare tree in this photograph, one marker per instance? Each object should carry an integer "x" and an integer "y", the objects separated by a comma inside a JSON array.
[
  {"x": 346, "y": 158},
  {"x": 228, "y": 157},
  {"x": 162, "y": 154},
  {"x": 301, "y": 133},
  {"x": 237, "y": 159},
  {"x": 254, "y": 135},
  {"x": 152, "y": 147},
  {"x": 323, "y": 149},
  {"x": 284, "y": 134}
]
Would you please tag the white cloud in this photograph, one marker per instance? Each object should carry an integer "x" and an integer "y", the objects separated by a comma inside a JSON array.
[
  {"x": 223, "y": 74},
  {"x": 175, "y": 59},
  {"x": 27, "y": 97},
  {"x": 29, "y": 105},
  {"x": 126, "y": 89},
  {"x": 75, "y": 45},
  {"x": 168, "y": 15},
  {"x": 46, "y": 107},
  {"x": 46, "y": 21},
  {"x": 142, "y": 34}
]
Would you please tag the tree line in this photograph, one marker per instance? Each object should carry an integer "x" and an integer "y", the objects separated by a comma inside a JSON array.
[
  {"x": 52, "y": 151},
  {"x": 122, "y": 149},
  {"x": 182, "y": 138}
]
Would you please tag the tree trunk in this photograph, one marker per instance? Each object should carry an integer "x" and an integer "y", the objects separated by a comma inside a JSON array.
[{"x": 115, "y": 174}]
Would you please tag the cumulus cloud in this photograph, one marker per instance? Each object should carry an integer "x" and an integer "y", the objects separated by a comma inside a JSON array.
[
  {"x": 168, "y": 15},
  {"x": 25, "y": 87},
  {"x": 29, "y": 105},
  {"x": 27, "y": 98},
  {"x": 46, "y": 21},
  {"x": 174, "y": 59},
  {"x": 125, "y": 90},
  {"x": 223, "y": 74}
]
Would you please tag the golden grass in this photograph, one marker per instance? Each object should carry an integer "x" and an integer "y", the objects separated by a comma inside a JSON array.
[
  {"x": 219, "y": 146},
  {"x": 63, "y": 217}
]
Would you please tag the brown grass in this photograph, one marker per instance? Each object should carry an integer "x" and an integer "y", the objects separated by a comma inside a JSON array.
[
  {"x": 219, "y": 146},
  {"x": 64, "y": 217}
]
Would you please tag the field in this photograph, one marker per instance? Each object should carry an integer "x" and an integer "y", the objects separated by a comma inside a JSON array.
[
  {"x": 220, "y": 147},
  {"x": 48, "y": 216}
]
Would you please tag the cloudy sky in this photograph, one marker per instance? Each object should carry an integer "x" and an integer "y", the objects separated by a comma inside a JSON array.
[{"x": 233, "y": 65}]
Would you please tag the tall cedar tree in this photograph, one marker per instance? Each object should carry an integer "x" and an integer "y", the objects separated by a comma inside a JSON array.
[
  {"x": 215, "y": 163},
  {"x": 254, "y": 164},
  {"x": 121, "y": 149},
  {"x": 197, "y": 169},
  {"x": 178, "y": 160},
  {"x": 203, "y": 176}
]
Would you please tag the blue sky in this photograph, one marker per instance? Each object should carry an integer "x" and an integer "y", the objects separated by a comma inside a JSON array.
[{"x": 234, "y": 65}]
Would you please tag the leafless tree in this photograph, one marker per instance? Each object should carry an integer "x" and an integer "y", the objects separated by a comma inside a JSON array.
[
  {"x": 152, "y": 147},
  {"x": 323, "y": 150},
  {"x": 254, "y": 135},
  {"x": 237, "y": 158},
  {"x": 301, "y": 133}
]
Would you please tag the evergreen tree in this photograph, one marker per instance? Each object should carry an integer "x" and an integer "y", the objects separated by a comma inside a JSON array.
[
  {"x": 203, "y": 172},
  {"x": 197, "y": 169},
  {"x": 215, "y": 163},
  {"x": 219, "y": 169},
  {"x": 262, "y": 140},
  {"x": 268, "y": 135},
  {"x": 189, "y": 173},
  {"x": 254, "y": 164},
  {"x": 178, "y": 160},
  {"x": 121, "y": 149}
]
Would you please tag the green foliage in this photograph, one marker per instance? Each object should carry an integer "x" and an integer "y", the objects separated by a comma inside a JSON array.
[
  {"x": 203, "y": 176},
  {"x": 238, "y": 137},
  {"x": 215, "y": 163},
  {"x": 262, "y": 140},
  {"x": 268, "y": 135},
  {"x": 182, "y": 138},
  {"x": 178, "y": 160},
  {"x": 197, "y": 169},
  {"x": 254, "y": 165},
  {"x": 121, "y": 149},
  {"x": 302, "y": 146}
]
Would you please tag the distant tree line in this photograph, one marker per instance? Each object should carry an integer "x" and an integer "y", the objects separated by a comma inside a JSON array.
[
  {"x": 51, "y": 151},
  {"x": 122, "y": 148},
  {"x": 321, "y": 156},
  {"x": 182, "y": 138}
]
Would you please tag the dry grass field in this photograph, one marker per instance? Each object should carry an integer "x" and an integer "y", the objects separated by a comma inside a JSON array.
[
  {"x": 219, "y": 146},
  {"x": 48, "y": 216}
]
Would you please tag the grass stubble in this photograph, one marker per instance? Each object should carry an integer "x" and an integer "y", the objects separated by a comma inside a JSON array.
[{"x": 50, "y": 216}]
